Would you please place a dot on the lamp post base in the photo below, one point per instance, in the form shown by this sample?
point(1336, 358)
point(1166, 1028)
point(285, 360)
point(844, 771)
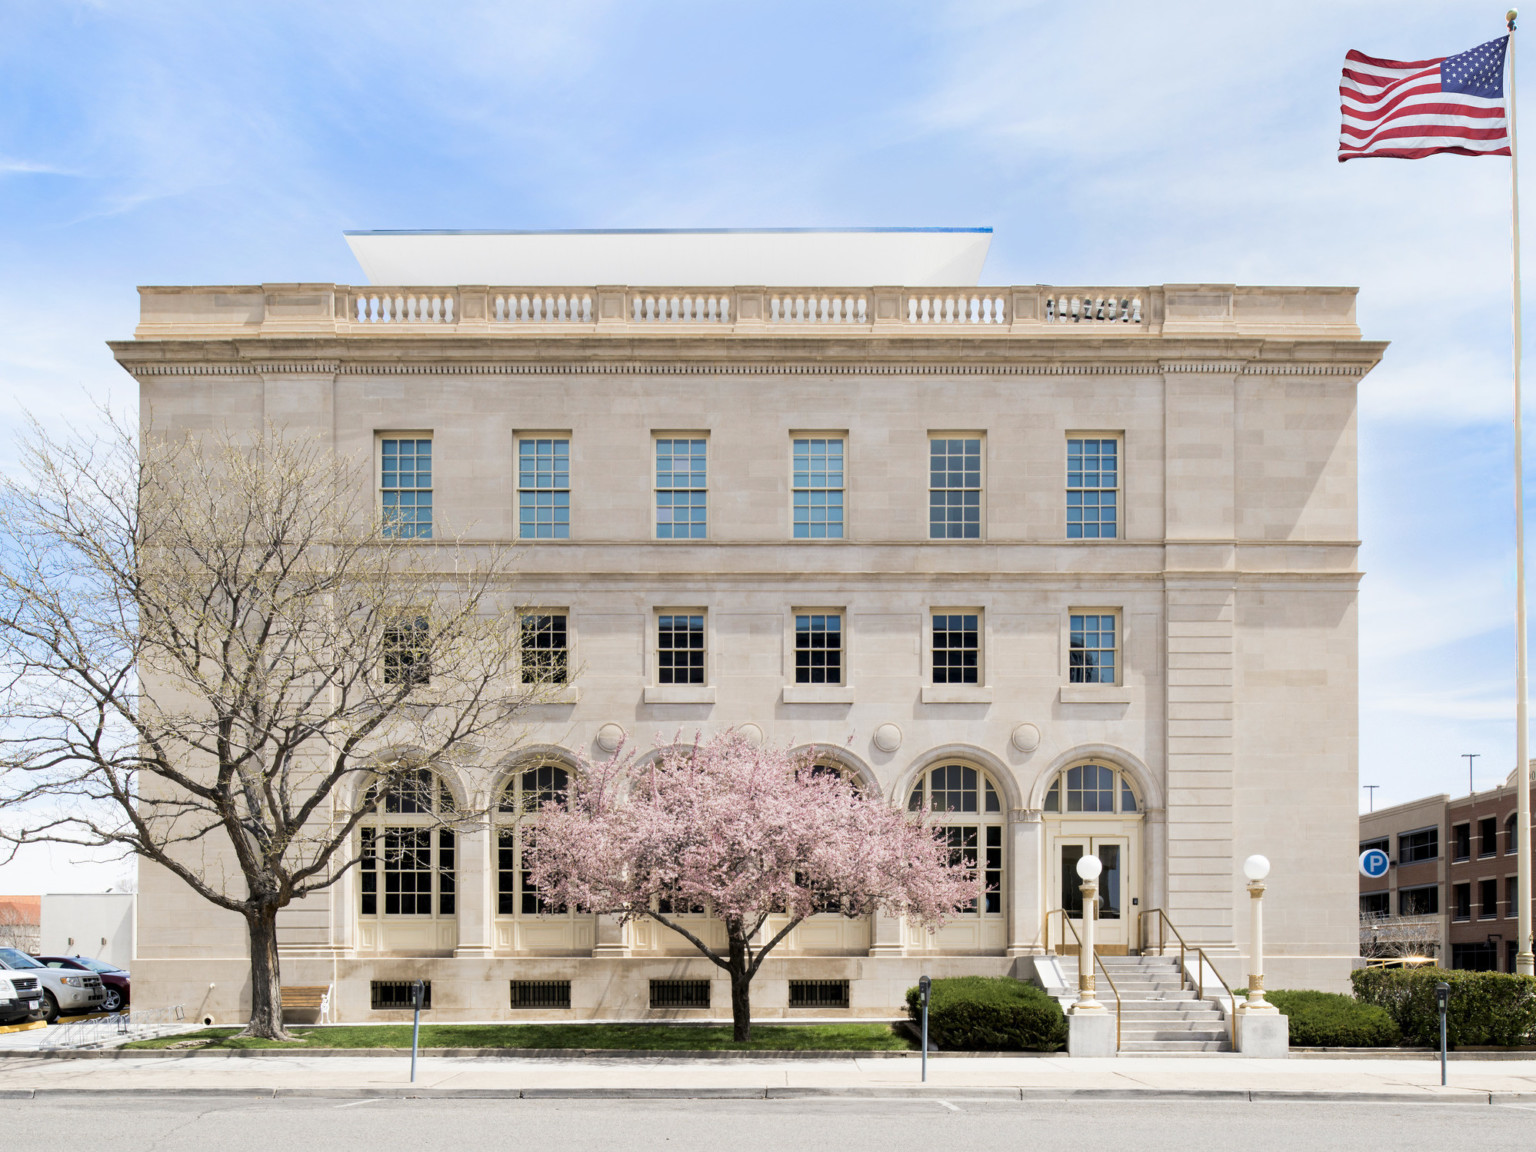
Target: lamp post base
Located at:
point(1263, 1035)
point(1090, 1033)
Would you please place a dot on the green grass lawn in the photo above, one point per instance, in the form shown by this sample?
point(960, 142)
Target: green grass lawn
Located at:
point(871, 1037)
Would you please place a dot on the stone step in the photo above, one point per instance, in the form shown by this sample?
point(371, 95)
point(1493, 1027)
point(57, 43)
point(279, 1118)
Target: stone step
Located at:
point(1174, 1047)
point(1128, 1033)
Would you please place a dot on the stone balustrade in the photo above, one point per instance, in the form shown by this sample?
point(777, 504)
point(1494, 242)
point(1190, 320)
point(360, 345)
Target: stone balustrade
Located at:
point(342, 310)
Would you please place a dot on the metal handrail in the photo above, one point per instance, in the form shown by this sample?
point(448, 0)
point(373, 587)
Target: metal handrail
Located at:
point(1163, 921)
point(1097, 959)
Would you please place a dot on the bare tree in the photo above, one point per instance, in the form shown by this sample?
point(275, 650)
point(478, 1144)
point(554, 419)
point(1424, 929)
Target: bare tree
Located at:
point(1395, 937)
point(216, 656)
point(17, 929)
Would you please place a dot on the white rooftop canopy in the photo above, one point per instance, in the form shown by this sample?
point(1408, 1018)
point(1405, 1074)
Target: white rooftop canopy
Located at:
point(773, 257)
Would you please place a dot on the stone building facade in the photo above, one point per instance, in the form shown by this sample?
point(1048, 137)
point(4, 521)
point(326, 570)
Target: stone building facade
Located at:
point(1085, 557)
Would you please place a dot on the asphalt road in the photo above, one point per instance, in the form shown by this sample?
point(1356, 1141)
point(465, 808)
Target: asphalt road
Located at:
point(126, 1124)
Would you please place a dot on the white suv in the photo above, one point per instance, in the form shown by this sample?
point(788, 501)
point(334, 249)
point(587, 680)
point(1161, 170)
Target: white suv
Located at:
point(21, 997)
point(62, 991)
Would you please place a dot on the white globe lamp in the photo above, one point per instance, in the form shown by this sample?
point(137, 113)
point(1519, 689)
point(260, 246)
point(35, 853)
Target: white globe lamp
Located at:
point(1256, 867)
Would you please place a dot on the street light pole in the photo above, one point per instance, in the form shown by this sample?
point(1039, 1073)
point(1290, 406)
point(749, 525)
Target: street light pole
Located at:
point(1088, 869)
point(1256, 868)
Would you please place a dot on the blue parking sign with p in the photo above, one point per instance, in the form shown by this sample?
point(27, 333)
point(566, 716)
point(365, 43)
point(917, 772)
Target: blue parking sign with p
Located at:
point(1374, 863)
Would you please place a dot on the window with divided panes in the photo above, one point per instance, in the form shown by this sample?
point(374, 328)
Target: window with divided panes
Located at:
point(408, 856)
point(545, 642)
point(968, 813)
point(517, 814)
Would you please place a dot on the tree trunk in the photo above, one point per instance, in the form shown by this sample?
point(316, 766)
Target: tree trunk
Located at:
point(741, 990)
point(266, 980)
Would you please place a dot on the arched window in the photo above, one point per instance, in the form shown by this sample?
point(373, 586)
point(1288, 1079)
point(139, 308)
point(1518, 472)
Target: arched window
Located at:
point(408, 856)
point(1092, 789)
point(966, 808)
point(517, 811)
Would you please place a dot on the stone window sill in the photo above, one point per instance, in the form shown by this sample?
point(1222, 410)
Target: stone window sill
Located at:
point(680, 694)
point(957, 693)
point(1095, 694)
point(818, 694)
point(564, 694)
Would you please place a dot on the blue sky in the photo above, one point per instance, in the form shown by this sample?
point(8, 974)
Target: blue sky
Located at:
point(1113, 144)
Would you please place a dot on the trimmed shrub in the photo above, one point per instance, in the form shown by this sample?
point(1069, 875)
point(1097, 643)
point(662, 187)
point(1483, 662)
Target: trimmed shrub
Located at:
point(990, 1014)
point(1328, 1020)
point(1485, 1007)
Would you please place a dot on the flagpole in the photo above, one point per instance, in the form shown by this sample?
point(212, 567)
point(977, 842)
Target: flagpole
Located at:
point(1525, 961)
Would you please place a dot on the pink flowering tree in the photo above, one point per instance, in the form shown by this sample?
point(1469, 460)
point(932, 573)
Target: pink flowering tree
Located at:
point(751, 834)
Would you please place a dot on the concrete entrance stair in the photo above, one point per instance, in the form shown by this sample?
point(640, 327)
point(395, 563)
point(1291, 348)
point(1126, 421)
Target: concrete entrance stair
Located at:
point(1159, 1012)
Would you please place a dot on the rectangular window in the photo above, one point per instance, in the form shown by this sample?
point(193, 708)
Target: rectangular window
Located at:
point(1479, 957)
point(680, 648)
point(1382, 845)
point(679, 993)
point(818, 489)
point(407, 652)
point(446, 890)
point(368, 875)
point(1488, 836)
point(545, 647)
point(541, 993)
point(1510, 839)
point(956, 648)
point(1461, 901)
point(386, 994)
point(1461, 842)
point(1093, 489)
point(1421, 901)
point(506, 872)
point(1421, 845)
point(818, 648)
point(954, 488)
point(405, 486)
point(682, 490)
point(1487, 899)
point(1091, 648)
point(1375, 903)
point(544, 489)
point(818, 993)
point(1511, 896)
point(405, 857)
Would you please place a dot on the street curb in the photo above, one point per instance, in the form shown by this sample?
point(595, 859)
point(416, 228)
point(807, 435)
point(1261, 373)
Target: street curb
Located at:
point(915, 1091)
point(583, 1054)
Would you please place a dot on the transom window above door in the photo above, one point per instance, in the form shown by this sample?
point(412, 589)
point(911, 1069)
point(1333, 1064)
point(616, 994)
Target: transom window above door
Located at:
point(1096, 789)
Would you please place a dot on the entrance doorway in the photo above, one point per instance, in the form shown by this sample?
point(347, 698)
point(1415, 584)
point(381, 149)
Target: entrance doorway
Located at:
point(1115, 908)
point(1093, 810)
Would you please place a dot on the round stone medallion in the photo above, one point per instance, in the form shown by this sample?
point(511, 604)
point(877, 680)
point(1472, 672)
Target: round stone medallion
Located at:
point(752, 734)
point(1026, 738)
point(609, 737)
point(887, 737)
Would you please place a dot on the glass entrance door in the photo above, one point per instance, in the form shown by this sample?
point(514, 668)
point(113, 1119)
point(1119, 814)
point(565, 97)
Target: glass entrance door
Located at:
point(1115, 885)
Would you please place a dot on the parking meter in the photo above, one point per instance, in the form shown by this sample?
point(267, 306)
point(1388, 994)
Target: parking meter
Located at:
point(925, 988)
point(1442, 1002)
point(418, 994)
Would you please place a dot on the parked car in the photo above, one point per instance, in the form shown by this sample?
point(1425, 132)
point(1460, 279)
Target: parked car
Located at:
point(62, 991)
point(21, 998)
point(113, 979)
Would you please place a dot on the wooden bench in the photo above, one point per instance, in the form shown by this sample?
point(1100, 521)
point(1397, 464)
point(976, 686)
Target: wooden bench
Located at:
point(314, 998)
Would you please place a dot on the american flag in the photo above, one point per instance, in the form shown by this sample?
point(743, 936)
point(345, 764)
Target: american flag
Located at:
point(1414, 108)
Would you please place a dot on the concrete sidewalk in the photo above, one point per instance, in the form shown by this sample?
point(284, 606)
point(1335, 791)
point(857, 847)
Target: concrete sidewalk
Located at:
point(1126, 1077)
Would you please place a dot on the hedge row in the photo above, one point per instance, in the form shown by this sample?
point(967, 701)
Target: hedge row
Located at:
point(990, 1014)
point(1328, 1020)
point(1484, 1008)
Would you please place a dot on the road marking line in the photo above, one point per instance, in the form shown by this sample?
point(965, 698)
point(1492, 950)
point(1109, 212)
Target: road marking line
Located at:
point(951, 1107)
point(355, 1103)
